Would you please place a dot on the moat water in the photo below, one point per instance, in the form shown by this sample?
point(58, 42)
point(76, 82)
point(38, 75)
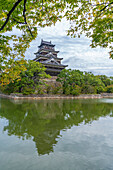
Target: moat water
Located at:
point(56, 134)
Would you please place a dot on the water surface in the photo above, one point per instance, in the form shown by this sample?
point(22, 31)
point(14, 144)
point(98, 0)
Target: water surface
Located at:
point(56, 134)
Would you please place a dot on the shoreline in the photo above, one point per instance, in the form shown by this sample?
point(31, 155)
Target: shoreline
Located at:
point(38, 97)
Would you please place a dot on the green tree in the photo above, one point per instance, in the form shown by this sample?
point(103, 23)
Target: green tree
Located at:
point(94, 18)
point(76, 90)
point(71, 80)
point(88, 89)
point(11, 70)
point(93, 83)
point(109, 89)
point(63, 78)
point(75, 82)
point(29, 80)
point(106, 80)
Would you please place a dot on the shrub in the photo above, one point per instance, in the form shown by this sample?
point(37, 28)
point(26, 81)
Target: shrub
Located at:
point(100, 89)
point(109, 89)
point(40, 89)
point(48, 88)
point(88, 89)
point(8, 89)
point(67, 90)
point(76, 90)
point(27, 90)
point(56, 88)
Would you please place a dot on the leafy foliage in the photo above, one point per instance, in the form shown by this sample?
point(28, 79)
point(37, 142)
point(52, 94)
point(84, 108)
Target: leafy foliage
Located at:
point(76, 82)
point(94, 18)
point(11, 70)
point(107, 81)
point(109, 89)
point(68, 82)
point(27, 16)
point(29, 80)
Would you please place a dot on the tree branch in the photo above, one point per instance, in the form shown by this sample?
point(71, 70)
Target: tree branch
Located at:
point(18, 21)
point(24, 11)
point(97, 4)
point(106, 7)
point(42, 4)
point(9, 14)
point(25, 18)
point(103, 12)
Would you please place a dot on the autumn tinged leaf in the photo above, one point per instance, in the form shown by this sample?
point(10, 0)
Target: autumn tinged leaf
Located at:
point(30, 75)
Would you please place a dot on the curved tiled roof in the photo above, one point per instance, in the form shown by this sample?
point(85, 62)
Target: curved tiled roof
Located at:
point(46, 43)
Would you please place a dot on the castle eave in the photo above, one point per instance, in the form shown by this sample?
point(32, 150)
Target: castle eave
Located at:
point(44, 57)
point(46, 50)
point(54, 65)
point(53, 70)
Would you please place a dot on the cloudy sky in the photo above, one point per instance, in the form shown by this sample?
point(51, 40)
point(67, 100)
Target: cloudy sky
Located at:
point(76, 52)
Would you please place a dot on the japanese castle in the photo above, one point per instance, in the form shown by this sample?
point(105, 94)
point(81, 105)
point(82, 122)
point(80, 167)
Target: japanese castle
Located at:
point(48, 57)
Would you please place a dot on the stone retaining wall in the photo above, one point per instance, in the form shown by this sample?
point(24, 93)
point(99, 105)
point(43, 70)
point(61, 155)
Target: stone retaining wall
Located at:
point(107, 95)
point(36, 97)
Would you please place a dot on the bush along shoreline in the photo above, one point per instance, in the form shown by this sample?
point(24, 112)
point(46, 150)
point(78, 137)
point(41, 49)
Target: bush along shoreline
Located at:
point(33, 82)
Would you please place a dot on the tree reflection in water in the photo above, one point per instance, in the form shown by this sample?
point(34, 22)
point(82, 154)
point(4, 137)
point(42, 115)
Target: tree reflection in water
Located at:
point(43, 120)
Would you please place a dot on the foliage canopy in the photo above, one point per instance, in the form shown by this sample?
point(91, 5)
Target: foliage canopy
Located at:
point(29, 80)
point(76, 82)
point(94, 17)
point(68, 82)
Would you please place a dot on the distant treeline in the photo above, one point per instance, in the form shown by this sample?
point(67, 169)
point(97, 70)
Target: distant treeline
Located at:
point(76, 82)
point(68, 82)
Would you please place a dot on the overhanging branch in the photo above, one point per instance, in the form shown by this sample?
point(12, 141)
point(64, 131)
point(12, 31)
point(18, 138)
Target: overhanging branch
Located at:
point(25, 20)
point(106, 7)
point(9, 14)
point(24, 11)
point(18, 21)
point(24, 15)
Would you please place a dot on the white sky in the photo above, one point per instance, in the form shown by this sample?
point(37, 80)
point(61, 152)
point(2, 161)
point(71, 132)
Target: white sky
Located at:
point(76, 52)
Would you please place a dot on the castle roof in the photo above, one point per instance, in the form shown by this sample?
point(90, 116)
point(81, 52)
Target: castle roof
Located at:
point(48, 43)
point(45, 49)
point(48, 57)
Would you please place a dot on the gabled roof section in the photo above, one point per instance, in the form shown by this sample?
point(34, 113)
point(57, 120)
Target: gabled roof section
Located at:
point(50, 55)
point(45, 57)
point(47, 50)
point(51, 61)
